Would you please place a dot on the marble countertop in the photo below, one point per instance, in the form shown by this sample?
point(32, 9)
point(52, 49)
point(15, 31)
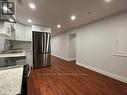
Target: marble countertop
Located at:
point(11, 81)
point(13, 54)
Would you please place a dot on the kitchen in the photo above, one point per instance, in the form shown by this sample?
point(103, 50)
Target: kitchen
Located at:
point(16, 56)
point(63, 47)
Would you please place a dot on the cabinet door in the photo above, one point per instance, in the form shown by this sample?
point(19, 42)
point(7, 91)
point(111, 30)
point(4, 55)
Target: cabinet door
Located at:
point(28, 33)
point(29, 58)
point(13, 31)
point(20, 32)
point(7, 28)
point(1, 27)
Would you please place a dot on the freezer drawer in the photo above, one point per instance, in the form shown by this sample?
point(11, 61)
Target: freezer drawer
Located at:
point(42, 60)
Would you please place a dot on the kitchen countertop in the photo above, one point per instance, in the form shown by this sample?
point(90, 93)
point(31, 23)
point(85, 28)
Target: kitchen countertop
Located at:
point(13, 54)
point(11, 80)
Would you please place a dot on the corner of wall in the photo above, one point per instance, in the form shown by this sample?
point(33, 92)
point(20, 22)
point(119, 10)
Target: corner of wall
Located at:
point(60, 57)
point(114, 76)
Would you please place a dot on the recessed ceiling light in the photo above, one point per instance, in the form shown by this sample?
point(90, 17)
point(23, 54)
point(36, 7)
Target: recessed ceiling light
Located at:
point(58, 26)
point(73, 17)
point(32, 6)
point(11, 20)
point(107, 0)
point(29, 20)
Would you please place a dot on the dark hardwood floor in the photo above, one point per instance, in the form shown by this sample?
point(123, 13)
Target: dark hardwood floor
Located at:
point(66, 78)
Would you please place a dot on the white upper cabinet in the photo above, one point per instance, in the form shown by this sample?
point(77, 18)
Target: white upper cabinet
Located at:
point(23, 32)
point(20, 28)
point(20, 32)
point(28, 33)
point(1, 27)
point(7, 28)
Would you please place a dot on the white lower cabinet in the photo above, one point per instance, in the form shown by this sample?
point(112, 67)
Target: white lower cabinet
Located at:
point(29, 58)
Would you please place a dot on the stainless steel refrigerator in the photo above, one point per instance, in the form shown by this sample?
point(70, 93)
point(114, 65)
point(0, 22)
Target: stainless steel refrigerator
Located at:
point(41, 49)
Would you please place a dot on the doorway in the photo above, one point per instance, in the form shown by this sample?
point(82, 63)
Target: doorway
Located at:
point(72, 47)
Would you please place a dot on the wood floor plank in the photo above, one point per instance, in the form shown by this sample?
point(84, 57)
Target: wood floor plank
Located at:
point(67, 78)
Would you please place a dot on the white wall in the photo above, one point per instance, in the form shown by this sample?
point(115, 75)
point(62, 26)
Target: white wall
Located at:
point(59, 46)
point(95, 46)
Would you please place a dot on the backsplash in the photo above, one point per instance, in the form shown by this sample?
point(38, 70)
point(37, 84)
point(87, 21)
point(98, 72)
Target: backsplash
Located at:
point(21, 45)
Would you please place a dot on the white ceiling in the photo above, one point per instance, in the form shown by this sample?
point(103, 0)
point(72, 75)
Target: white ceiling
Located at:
point(53, 12)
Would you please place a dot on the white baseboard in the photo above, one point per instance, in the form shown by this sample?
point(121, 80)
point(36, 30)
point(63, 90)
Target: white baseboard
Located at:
point(72, 59)
point(61, 57)
point(64, 58)
point(114, 76)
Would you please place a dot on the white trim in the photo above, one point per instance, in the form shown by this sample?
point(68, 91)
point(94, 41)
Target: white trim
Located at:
point(114, 76)
point(121, 54)
point(72, 59)
point(64, 58)
point(60, 57)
